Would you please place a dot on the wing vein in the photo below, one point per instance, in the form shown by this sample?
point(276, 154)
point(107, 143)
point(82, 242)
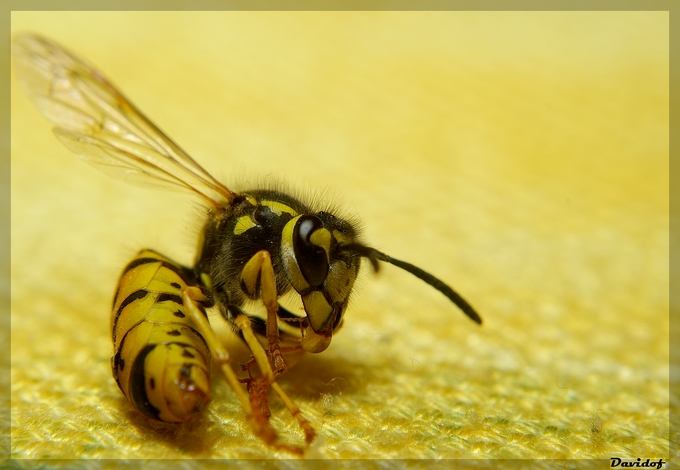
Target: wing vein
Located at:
point(93, 119)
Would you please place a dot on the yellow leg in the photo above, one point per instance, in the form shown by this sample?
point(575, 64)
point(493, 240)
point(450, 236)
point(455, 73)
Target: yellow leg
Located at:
point(258, 386)
point(306, 427)
point(260, 267)
point(260, 356)
point(257, 420)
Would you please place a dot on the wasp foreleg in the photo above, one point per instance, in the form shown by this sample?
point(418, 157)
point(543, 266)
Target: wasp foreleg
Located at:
point(259, 273)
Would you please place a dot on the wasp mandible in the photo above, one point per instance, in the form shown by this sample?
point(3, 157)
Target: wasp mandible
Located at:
point(255, 246)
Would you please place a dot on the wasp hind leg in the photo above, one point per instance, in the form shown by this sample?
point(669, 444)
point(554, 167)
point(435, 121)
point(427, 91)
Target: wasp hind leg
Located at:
point(258, 422)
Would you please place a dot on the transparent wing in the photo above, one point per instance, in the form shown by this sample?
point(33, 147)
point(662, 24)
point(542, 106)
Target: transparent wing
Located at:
point(94, 120)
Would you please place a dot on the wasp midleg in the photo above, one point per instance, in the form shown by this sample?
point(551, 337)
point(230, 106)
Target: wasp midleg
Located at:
point(252, 407)
point(258, 275)
point(163, 343)
point(258, 387)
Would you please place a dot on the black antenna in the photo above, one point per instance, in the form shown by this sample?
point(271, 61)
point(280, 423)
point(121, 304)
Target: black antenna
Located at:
point(374, 256)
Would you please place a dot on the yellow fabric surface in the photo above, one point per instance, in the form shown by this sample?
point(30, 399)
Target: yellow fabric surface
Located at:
point(521, 157)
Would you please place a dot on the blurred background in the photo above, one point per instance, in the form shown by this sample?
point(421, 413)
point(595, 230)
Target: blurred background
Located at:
point(520, 156)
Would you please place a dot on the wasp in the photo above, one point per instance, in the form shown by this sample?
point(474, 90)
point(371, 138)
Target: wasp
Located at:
point(255, 246)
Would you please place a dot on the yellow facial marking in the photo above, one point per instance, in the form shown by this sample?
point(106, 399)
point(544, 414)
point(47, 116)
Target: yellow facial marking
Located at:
point(243, 224)
point(322, 238)
point(340, 238)
point(318, 310)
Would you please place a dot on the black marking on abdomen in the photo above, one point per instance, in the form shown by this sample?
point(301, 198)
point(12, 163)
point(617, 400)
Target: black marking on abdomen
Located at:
point(136, 295)
point(137, 384)
point(115, 364)
point(138, 262)
point(179, 314)
point(185, 372)
point(170, 297)
point(185, 274)
point(185, 345)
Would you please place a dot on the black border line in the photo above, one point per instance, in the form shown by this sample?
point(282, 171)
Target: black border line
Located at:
point(7, 6)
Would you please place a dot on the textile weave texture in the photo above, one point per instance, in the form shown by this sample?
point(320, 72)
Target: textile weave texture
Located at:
point(521, 157)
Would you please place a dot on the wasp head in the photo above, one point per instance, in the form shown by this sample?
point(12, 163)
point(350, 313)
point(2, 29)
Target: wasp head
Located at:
point(321, 271)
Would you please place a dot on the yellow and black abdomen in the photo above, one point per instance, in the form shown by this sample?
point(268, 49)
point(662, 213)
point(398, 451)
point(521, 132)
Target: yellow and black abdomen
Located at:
point(160, 362)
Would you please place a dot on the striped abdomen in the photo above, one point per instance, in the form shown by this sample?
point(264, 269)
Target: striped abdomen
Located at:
point(160, 362)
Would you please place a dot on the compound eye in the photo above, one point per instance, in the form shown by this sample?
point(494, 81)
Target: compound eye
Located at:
point(311, 258)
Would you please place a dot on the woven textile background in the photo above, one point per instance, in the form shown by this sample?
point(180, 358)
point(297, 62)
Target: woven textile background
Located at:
point(521, 157)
